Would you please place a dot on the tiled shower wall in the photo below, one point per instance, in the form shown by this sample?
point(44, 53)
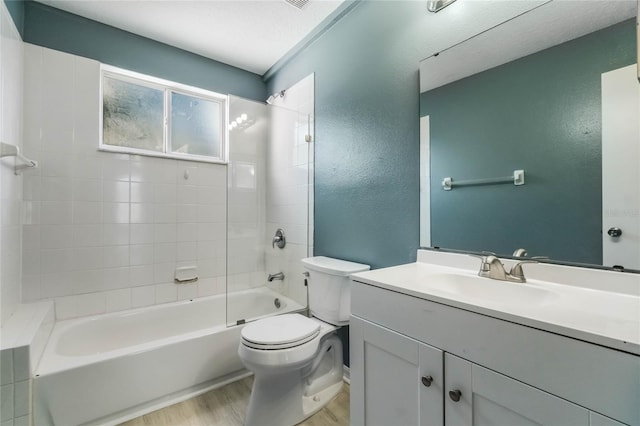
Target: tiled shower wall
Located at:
point(103, 231)
point(290, 186)
point(10, 185)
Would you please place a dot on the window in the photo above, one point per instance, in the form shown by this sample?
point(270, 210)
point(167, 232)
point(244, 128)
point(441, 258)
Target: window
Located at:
point(148, 116)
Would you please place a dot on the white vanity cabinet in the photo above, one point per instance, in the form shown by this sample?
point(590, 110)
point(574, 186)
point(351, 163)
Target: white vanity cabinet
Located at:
point(499, 372)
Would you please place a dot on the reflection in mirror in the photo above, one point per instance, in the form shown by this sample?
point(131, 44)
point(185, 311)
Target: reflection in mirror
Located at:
point(537, 93)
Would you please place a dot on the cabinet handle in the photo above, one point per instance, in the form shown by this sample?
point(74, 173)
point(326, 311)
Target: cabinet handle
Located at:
point(427, 380)
point(455, 395)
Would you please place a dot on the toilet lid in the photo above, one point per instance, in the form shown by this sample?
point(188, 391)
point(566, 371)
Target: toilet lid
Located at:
point(281, 330)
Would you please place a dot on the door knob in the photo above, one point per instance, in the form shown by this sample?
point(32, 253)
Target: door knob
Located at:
point(455, 395)
point(614, 232)
point(427, 380)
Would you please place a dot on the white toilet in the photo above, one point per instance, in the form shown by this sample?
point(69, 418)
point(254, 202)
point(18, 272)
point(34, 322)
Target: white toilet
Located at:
point(296, 360)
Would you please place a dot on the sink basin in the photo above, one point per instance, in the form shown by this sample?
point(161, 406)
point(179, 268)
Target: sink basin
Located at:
point(489, 290)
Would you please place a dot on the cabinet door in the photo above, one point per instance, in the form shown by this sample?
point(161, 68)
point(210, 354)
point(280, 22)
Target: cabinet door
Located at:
point(395, 380)
point(488, 398)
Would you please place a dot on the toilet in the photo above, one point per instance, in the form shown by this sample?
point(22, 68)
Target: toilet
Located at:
point(297, 360)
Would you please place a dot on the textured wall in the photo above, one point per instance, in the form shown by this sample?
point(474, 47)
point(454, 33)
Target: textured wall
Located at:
point(366, 155)
point(541, 113)
point(55, 29)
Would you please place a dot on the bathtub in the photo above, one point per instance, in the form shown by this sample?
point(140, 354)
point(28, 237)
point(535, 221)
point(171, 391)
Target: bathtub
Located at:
point(109, 368)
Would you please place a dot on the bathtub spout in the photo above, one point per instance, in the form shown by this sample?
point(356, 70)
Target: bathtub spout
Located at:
point(278, 276)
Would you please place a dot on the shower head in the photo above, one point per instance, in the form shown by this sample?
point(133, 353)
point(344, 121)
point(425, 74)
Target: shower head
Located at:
point(275, 96)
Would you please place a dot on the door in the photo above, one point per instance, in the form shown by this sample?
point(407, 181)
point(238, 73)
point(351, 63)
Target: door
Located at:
point(477, 396)
point(621, 168)
point(395, 380)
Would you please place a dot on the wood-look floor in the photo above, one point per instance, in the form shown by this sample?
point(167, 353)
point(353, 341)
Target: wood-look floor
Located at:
point(226, 407)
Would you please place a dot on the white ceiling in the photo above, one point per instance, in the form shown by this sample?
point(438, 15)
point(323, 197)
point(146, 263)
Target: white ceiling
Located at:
point(249, 34)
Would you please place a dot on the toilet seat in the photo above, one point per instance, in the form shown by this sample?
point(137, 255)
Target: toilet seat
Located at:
point(280, 332)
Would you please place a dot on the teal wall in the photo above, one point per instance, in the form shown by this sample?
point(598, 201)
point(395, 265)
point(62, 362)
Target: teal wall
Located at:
point(541, 113)
point(55, 29)
point(367, 132)
point(16, 10)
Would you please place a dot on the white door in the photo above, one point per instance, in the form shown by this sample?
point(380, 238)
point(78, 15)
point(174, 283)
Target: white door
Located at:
point(621, 168)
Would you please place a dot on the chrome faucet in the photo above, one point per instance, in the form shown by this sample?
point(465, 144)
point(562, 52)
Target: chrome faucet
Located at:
point(278, 276)
point(492, 267)
point(520, 253)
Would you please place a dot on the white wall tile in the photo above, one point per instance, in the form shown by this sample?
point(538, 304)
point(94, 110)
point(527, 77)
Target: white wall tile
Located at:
point(143, 296)
point(141, 254)
point(56, 212)
point(186, 250)
point(115, 256)
point(142, 192)
point(115, 167)
point(87, 190)
point(86, 258)
point(115, 234)
point(142, 233)
point(164, 273)
point(31, 237)
point(164, 233)
point(65, 307)
point(166, 293)
point(22, 398)
point(187, 291)
point(6, 366)
point(91, 304)
point(165, 213)
point(164, 252)
point(6, 402)
point(187, 213)
point(87, 235)
point(187, 194)
point(115, 212)
point(21, 364)
point(164, 193)
point(115, 191)
point(85, 212)
point(115, 278)
point(141, 275)
point(142, 212)
point(118, 300)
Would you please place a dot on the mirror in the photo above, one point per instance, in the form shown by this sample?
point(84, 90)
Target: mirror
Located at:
point(532, 94)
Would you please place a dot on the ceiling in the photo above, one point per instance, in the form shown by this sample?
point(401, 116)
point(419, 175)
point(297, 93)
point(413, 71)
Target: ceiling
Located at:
point(248, 34)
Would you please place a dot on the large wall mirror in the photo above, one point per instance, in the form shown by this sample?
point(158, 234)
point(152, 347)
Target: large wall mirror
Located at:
point(553, 92)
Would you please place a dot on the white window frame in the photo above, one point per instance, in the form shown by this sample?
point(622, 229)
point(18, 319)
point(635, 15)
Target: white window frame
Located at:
point(168, 87)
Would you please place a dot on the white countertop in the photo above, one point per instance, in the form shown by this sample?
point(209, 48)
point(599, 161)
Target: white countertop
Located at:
point(606, 318)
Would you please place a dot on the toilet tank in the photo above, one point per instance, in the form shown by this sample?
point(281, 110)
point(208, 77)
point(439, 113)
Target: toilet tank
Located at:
point(329, 287)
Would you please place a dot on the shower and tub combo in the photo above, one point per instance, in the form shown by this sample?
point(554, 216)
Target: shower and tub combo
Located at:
point(108, 368)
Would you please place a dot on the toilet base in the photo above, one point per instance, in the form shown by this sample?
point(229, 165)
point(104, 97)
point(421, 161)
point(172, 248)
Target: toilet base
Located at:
point(288, 398)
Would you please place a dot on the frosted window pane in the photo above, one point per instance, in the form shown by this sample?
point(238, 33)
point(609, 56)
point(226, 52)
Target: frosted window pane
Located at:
point(195, 125)
point(133, 115)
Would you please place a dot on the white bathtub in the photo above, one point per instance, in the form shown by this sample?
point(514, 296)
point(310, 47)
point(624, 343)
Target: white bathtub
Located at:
point(108, 368)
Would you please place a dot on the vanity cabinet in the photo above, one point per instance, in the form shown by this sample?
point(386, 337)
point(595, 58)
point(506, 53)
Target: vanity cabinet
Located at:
point(399, 380)
point(415, 362)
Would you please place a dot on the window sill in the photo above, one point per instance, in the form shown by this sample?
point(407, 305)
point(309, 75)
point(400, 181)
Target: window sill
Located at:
point(170, 156)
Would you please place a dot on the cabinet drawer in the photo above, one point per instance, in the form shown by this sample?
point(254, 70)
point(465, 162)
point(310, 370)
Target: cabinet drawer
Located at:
point(602, 379)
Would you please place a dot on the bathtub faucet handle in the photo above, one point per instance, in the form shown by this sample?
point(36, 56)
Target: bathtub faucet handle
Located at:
point(279, 239)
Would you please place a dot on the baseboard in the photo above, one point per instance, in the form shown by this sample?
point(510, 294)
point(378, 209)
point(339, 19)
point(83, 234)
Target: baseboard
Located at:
point(346, 376)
